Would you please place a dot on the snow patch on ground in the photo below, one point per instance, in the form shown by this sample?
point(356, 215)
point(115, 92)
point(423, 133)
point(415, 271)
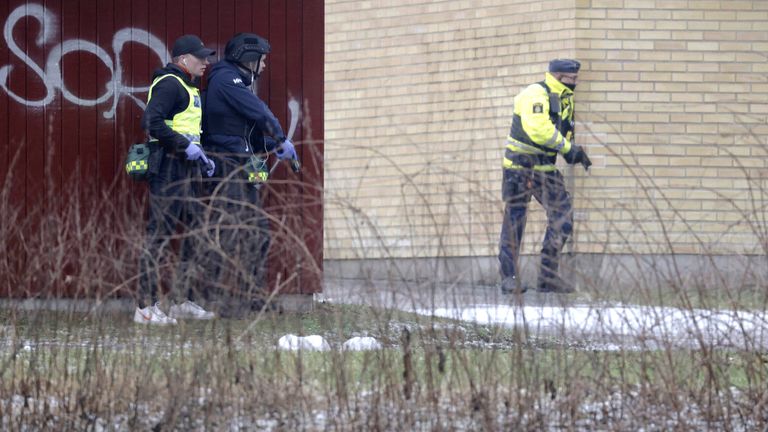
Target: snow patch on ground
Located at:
point(738, 329)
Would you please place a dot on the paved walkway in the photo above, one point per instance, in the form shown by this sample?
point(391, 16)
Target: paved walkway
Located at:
point(570, 317)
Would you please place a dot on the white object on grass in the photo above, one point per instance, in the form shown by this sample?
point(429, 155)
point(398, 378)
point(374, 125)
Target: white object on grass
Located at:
point(292, 342)
point(190, 310)
point(361, 343)
point(152, 315)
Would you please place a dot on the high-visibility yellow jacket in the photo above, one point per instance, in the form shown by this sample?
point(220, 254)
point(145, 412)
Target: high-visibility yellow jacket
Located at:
point(188, 121)
point(542, 126)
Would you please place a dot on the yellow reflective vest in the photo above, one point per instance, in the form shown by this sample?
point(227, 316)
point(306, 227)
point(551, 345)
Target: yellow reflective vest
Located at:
point(189, 121)
point(542, 126)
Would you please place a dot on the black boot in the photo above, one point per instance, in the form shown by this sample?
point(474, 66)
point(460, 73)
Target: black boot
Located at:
point(510, 285)
point(549, 281)
point(553, 283)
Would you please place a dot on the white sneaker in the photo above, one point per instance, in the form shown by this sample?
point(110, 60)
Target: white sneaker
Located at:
point(190, 310)
point(152, 315)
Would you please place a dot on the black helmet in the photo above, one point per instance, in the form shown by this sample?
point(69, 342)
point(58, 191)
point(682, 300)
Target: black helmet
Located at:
point(246, 47)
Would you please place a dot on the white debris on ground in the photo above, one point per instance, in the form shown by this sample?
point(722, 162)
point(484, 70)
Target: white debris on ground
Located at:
point(361, 343)
point(738, 329)
point(291, 342)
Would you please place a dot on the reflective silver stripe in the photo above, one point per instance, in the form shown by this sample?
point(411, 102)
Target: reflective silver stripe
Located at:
point(524, 150)
point(514, 144)
point(561, 145)
point(553, 139)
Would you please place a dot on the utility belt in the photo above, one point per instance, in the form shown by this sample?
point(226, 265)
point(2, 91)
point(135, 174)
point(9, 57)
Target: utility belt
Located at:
point(254, 166)
point(165, 150)
point(172, 155)
point(538, 162)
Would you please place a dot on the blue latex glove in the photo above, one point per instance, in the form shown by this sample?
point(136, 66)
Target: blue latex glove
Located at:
point(194, 152)
point(286, 151)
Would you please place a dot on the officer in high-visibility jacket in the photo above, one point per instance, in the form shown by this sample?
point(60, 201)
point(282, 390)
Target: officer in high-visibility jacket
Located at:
point(542, 127)
point(173, 119)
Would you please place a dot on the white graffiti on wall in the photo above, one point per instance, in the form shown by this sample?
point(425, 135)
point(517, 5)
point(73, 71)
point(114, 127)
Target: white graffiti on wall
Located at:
point(51, 76)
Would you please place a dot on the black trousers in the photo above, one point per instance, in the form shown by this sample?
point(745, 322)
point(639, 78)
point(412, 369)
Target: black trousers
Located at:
point(173, 212)
point(239, 228)
point(519, 185)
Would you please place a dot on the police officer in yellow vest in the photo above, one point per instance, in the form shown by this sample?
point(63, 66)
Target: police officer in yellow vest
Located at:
point(542, 127)
point(173, 120)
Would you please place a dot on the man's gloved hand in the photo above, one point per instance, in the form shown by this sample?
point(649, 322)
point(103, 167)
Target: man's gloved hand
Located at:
point(578, 155)
point(210, 166)
point(194, 152)
point(286, 150)
point(585, 162)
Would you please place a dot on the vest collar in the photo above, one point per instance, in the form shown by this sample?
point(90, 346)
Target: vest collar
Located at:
point(181, 73)
point(556, 86)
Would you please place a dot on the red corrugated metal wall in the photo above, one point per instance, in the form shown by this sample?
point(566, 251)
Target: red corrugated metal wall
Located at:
point(73, 80)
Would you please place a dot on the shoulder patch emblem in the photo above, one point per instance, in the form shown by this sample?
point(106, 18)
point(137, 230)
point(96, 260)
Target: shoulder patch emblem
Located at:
point(538, 108)
point(237, 81)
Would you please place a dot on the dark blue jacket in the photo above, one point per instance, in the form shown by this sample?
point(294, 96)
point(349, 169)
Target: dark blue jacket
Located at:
point(233, 116)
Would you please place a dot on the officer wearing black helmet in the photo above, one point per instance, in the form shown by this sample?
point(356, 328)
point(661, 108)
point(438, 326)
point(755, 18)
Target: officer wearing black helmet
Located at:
point(542, 127)
point(241, 132)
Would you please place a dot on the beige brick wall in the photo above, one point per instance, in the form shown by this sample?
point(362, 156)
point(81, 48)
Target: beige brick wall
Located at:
point(672, 107)
point(675, 95)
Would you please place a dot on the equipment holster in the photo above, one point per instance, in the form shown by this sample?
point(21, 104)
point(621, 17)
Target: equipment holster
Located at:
point(256, 168)
point(144, 160)
point(156, 155)
point(516, 185)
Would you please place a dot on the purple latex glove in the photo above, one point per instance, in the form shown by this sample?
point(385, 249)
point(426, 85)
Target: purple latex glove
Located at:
point(194, 152)
point(286, 151)
point(210, 166)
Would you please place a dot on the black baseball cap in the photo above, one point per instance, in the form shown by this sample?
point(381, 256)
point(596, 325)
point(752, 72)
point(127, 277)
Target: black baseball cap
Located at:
point(564, 65)
point(191, 44)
